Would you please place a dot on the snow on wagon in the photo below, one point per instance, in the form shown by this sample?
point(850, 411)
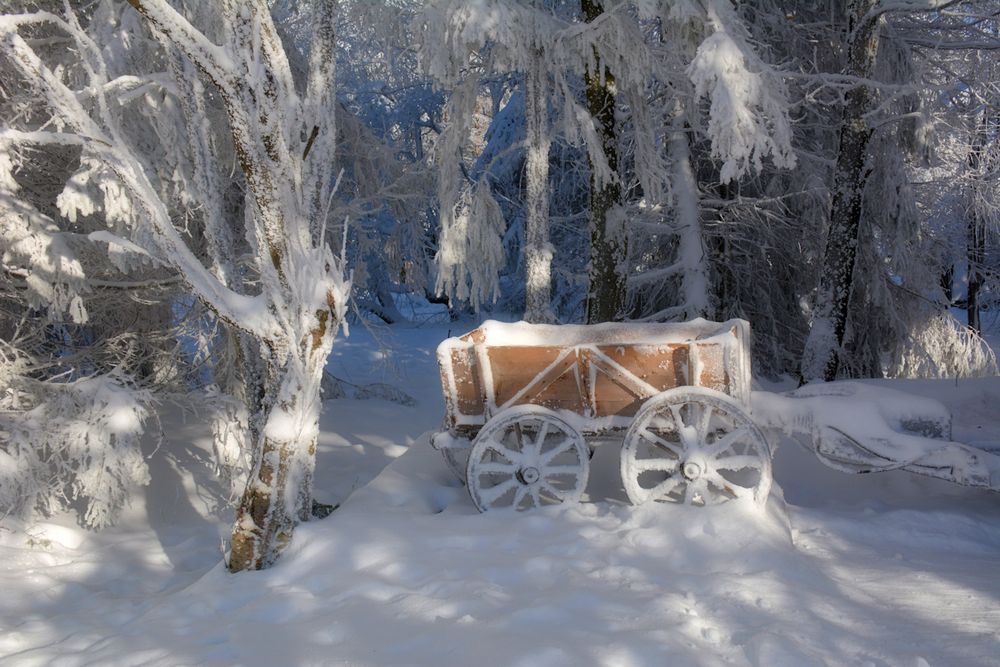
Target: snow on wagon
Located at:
point(525, 402)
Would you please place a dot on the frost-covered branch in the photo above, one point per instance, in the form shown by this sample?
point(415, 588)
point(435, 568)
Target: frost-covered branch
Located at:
point(240, 310)
point(289, 300)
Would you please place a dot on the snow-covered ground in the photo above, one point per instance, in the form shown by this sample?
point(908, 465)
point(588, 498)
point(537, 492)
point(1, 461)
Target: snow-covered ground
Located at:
point(886, 569)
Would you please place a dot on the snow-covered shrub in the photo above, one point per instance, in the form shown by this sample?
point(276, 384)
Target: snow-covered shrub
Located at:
point(230, 443)
point(941, 347)
point(68, 445)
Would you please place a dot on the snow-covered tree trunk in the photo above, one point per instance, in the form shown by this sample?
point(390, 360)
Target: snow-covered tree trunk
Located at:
point(975, 228)
point(976, 254)
point(820, 360)
point(606, 296)
point(537, 250)
point(279, 490)
point(692, 258)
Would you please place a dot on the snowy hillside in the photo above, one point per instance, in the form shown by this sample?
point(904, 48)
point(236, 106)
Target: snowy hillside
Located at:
point(886, 569)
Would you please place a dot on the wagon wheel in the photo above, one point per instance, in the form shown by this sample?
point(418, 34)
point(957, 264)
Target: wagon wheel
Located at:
point(694, 446)
point(457, 459)
point(527, 456)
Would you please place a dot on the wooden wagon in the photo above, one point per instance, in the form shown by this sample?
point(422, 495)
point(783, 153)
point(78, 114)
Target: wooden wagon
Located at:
point(526, 402)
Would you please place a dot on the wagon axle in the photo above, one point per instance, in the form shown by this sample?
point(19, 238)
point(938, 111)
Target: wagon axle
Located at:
point(691, 470)
point(528, 475)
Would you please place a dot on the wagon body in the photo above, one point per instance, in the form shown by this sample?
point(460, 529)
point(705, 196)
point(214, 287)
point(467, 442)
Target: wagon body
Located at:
point(520, 399)
point(602, 373)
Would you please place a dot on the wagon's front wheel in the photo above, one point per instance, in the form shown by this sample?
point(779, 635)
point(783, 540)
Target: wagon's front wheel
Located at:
point(694, 446)
point(527, 456)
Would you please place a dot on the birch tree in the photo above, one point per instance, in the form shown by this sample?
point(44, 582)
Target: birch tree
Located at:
point(537, 249)
point(284, 137)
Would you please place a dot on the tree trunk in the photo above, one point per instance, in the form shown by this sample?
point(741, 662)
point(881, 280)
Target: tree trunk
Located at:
point(607, 239)
point(537, 250)
point(976, 252)
point(278, 494)
point(975, 240)
point(691, 253)
point(820, 360)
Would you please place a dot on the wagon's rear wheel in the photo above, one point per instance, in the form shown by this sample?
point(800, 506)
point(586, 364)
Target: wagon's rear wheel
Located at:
point(694, 446)
point(525, 457)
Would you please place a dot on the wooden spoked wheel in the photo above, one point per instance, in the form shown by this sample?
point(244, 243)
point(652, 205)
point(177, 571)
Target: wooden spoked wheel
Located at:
point(694, 446)
point(527, 456)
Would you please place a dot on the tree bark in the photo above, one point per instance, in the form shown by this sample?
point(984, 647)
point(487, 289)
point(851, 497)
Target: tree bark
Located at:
point(279, 489)
point(691, 251)
point(976, 253)
point(975, 240)
point(607, 239)
point(537, 250)
point(820, 359)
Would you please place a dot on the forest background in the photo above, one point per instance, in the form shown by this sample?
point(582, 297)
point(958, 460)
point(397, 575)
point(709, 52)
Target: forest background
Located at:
point(196, 197)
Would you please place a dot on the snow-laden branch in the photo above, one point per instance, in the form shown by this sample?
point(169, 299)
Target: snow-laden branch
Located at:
point(127, 88)
point(657, 275)
point(319, 108)
point(211, 58)
point(256, 130)
point(748, 116)
point(240, 310)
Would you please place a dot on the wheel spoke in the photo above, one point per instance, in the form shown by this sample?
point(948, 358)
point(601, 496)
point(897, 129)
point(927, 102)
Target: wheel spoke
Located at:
point(519, 496)
point(502, 450)
point(556, 494)
point(665, 487)
point(520, 436)
point(675, 410)
point(496, 467)
point(725, 485)
point(708, 497)
point(689, 491)
point(727, 441)
point(536, 497)
point(737, 462)
point(494, 493)
point(561, 448)
point(683, 431)
point(540, 440)
point(663, 465)
point(704, 419)
point(660, 442)
point(549, 471)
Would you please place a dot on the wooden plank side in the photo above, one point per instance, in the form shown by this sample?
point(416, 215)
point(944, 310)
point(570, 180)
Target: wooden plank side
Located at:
point(468, 383)
point(537, 375)
point(548, 383)
point(662, 366)
point(712, 366)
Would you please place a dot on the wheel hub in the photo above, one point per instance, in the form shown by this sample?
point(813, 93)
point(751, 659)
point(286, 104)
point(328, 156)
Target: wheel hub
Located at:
point(691, 470)
point(528, 475)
